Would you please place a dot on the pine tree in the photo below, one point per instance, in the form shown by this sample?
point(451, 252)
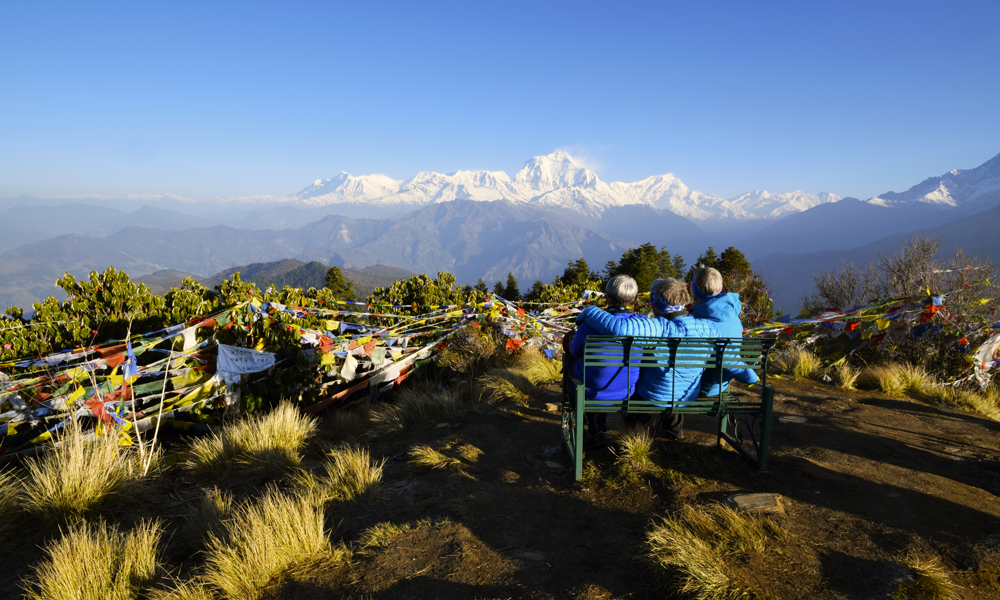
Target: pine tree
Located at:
point(732, 263)
point(481, 286)
point(536, 291)
point(646, 264)
point(578, 273)
point(511, 292)
point(341, 288)
point(498, 289)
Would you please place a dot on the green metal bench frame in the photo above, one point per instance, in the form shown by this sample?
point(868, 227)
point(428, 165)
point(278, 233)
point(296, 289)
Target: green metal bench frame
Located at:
point(745, 424)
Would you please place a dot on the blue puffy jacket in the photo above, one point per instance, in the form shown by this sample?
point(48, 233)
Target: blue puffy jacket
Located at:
point(658, 383)
point(724, 311)
point(604, 383)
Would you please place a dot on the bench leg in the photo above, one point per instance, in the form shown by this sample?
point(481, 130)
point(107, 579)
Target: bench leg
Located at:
point(767, 401)
point(578, 455)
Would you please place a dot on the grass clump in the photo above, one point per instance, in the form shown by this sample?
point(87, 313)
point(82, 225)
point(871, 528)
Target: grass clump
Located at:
point(97, 562)
point(414, 406)
point(380, 535)
point(536, 368)
point(454, 454)
point(798, 362)
point(349, 473)
point(79, 476)
point(262, 542)
point(635, 450)
point(426, 457)
point(267, 445)
point(846, 376)
point(693, 546)
point(502, 386)
point(986, 402)
point(885, 379)
point(928, 581)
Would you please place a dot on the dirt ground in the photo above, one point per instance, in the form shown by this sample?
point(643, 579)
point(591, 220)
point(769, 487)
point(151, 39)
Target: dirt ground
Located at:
point(866, 479)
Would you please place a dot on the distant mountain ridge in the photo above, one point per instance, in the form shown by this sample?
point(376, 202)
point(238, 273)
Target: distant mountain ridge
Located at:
point(977, 188)
point(555, 180)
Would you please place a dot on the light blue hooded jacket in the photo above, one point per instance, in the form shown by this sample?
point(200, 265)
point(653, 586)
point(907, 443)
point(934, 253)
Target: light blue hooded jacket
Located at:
point(724, 311)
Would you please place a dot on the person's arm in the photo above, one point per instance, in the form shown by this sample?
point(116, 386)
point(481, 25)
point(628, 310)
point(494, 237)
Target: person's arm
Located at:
point(607, 324)
point(578, 342)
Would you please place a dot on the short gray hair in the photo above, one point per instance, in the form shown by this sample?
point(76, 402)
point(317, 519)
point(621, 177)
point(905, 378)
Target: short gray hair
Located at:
point(708, 280)
point(673, 291)
point(621, 290)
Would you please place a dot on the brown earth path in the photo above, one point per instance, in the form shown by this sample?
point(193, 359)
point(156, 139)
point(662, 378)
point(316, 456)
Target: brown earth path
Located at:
point(866, 478)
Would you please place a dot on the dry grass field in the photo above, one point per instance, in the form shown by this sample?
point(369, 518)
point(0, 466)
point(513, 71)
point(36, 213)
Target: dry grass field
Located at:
point(465, 493)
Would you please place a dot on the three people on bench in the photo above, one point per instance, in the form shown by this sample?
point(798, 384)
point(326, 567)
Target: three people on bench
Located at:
point(669, 299)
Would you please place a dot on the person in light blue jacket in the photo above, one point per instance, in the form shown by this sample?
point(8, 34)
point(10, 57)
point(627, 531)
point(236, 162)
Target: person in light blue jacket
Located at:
point(723, 310)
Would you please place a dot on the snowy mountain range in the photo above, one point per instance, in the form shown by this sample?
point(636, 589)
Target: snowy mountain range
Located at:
point(556, 180)
point(978, 189)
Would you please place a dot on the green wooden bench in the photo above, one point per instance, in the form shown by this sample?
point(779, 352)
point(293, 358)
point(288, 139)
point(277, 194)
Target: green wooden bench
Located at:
point(744, 422)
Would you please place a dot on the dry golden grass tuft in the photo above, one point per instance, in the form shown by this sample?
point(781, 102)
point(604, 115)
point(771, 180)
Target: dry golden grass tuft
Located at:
point(380, 535)
point(694, 544)
point(266, 445)
point(798, 362)
point(928, 581)
point(915, 379)
point(97, 562)
point(425, 457)
point(262, 542)
point(635, 449)
point(884, 378)
point(183, 590)
point(986, 402)
point(503, 386)
point(412, 406)
point(349, 473)
point(846, 376)
point(453, 454)
point(79, 476)
point(535, 367)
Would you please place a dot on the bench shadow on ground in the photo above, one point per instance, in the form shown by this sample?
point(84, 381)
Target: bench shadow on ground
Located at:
point(826, 483)
point(950, 456)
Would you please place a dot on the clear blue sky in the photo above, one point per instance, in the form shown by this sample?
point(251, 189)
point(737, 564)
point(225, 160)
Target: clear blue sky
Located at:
point(204, 98)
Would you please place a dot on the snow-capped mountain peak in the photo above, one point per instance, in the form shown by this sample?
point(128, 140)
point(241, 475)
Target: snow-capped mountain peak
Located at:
point(957, 188)
point(554, 170)
point(348, 186)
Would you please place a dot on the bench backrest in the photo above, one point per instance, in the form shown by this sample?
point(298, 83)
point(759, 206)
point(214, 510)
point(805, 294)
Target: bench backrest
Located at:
point(715, 354)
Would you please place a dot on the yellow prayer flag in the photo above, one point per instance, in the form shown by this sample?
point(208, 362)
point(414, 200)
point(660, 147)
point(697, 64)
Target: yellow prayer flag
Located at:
point(884, 323)
point(331, 325)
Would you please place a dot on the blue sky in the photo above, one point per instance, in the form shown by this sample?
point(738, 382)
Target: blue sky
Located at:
point(212, 99)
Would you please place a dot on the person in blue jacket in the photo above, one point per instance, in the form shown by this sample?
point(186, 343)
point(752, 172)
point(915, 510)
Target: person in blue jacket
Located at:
point(612, 383)
point(669, 298)
point(722, 309)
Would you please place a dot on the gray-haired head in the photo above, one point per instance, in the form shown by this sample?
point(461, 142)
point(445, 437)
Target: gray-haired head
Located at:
point(669, 295)
point(707, 282)
point(621, 290)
